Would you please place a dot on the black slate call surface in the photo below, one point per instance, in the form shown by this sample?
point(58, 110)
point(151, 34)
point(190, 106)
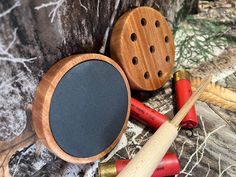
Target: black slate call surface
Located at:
point(88, 108)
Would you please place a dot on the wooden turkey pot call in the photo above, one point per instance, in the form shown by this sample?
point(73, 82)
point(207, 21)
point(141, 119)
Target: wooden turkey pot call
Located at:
point(81, 107)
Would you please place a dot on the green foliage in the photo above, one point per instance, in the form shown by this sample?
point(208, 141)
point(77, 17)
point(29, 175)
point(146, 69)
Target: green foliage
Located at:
point(199, 39)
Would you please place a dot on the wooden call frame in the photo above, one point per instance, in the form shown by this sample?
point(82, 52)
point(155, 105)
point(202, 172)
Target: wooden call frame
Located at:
point(43, 95)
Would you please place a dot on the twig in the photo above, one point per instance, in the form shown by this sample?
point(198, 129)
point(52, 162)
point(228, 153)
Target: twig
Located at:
point(54, 11)
point(83, 6)
point(182, 149)
point(197, 144)
point(98, 7)
point(57, 4)
point(208, 171)
point(43, 5)
point(201, 147)
point(198, 160)
point(104, 41)
point(17, 3)
point(6, 56)
point(219, 164)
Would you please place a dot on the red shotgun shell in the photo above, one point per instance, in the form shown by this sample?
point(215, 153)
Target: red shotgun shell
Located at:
point(168, 166)
point(146, 115)
point(183, 91)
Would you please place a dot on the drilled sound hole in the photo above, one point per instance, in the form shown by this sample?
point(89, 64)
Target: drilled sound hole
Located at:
point(157, 23)
point(146, 75)
point(159, 73)
point(144, 34)
point(166, 39)
point(167, 59)
point(135, 60)
point(152, 49)
point(133, 37)
point(143, 21)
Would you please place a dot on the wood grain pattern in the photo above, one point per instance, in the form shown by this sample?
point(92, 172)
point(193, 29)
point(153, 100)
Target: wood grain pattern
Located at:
point(41, 105)
point(142, 43)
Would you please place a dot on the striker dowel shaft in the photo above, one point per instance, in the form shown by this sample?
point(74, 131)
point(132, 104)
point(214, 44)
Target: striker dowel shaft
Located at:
point(144, 163)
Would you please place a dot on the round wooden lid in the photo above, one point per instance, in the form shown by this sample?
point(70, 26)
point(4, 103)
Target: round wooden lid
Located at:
point(81, 107)
point(143, 44)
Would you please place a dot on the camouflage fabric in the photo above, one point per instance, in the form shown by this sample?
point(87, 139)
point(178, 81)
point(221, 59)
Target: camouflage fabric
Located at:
point(202, 41)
